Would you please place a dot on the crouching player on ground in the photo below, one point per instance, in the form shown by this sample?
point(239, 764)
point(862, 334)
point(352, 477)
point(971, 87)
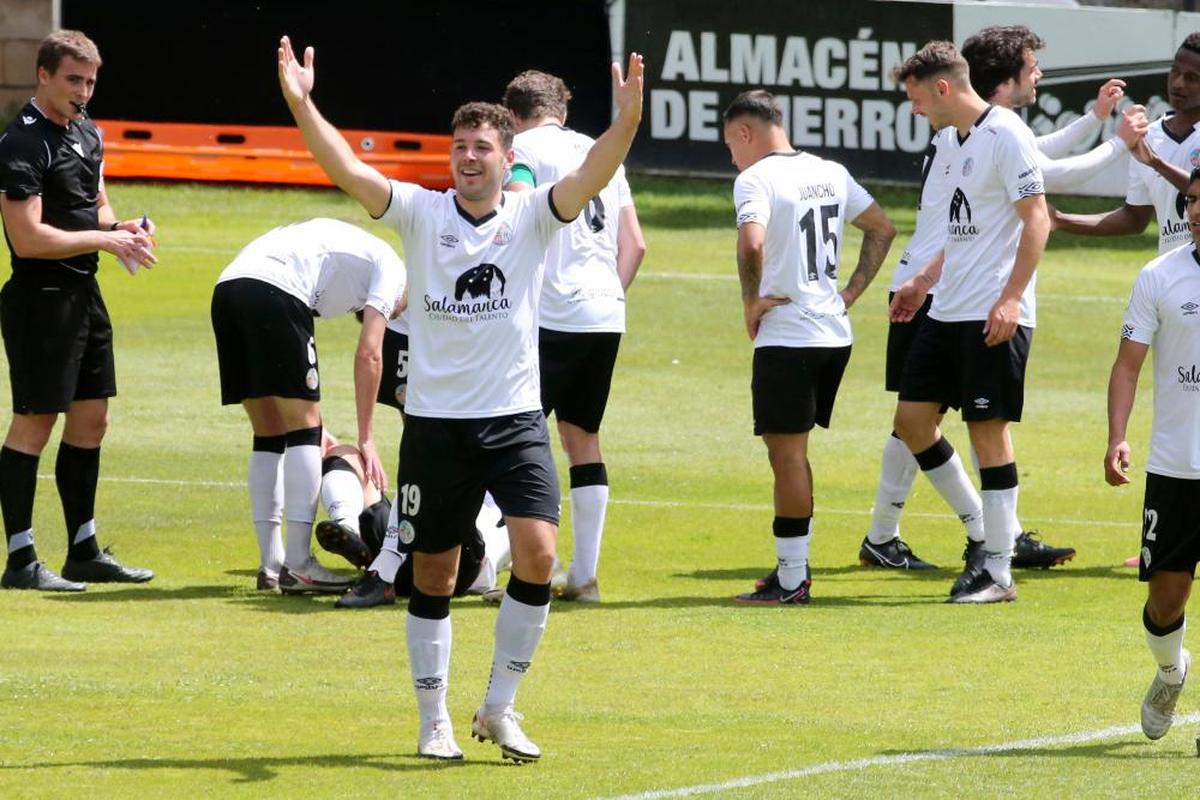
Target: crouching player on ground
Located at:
point(1162, 314)
point(357, 530)
point(262, 314)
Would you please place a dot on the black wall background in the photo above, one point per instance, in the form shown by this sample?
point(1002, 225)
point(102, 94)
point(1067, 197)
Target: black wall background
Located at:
point(379, 65)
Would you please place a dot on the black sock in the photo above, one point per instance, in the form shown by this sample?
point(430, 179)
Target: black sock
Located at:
point(18, 481)
point(76, 471)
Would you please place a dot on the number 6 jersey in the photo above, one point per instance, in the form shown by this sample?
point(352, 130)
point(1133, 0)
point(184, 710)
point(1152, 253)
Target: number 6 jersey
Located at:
point(803, 202)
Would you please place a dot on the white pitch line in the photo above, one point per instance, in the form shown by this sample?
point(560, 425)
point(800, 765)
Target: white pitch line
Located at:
point(856, 512)
point(860, 764)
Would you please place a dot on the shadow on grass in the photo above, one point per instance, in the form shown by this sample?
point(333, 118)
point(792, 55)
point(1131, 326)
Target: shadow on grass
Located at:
point(819, 600)
point(258, 770)
point(941, 574)
point(238, 595)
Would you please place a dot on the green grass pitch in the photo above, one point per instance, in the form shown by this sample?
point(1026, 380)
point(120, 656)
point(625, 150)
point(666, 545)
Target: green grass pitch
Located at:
point(197, 686)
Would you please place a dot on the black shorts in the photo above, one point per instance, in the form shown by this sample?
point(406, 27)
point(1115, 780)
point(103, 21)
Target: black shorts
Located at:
point(577, 371)
point(447, 464)
point(949, 364)
point(59, 342)
point(393, 383)
point(265, 343)
point(793, 388)
point(1170, 526)
point(470, 562)
point(899, 341)
point(373, 523)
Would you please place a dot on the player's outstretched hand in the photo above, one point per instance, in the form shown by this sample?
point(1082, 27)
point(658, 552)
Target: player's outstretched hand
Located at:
point(1116, 464)
point(372, 466)
point(1107, 98)
point(1001, 322)
point(295, 79)
point(627, 93)
point(907, 301)
point(756, 310)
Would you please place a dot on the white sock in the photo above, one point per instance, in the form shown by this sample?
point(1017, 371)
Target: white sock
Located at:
point(390, 559)
point(999, 509)
point(342, 495)
point(1168, 652)
point(588, 507)
point(429, 660)
point(301, 485)
point(975, 461)
point(486, 579)
point(265, 481)
point(519, 629)
point(497, 547)
point(952, 483)
point(897, 470)
point(792, 553)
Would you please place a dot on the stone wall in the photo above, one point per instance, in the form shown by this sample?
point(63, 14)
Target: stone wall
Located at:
point(23, 23)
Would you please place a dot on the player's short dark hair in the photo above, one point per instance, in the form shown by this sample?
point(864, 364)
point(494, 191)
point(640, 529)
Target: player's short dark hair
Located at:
point(476, 115)
point(1194, 176)
point(997, 54)
point(60, 44)
point(1192, 43)
point(936, 59)
point(534, 94)
point(757, 103)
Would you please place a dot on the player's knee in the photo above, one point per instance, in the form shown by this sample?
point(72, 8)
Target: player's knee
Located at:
point(29, 433)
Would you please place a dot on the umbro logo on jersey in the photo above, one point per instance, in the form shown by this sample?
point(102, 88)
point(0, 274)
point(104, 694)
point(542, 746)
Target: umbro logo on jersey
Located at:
point(449, 240)
point(1189, 308)
point(503, 234)
point(28, 120)
point(1126, 332)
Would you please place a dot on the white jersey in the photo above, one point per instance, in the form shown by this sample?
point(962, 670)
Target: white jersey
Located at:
point(330, 266)
point(1148, 188)
point(400, 323)
point(803, 202)
point(1164, 313)
point(472, 300)
point(994, 167)
point(582, 291)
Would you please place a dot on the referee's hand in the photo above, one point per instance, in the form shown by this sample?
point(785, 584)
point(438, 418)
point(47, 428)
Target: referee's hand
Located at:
point(131, 248)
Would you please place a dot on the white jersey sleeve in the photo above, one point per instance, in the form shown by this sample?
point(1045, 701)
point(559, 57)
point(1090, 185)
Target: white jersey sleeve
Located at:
point(624, 194)
point(1138, 194)
point(1061, 142)
point(403, 206)
point(1016, 160)
point(1141, 314)
point(751, 200)
point(1069, 174)
point(858, 199)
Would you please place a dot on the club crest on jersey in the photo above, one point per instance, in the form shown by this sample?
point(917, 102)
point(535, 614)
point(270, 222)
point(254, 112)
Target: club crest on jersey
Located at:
point(968, 165)
point(503, 234)
point(311, 379)
point(1194, 156)
point(1146, 557)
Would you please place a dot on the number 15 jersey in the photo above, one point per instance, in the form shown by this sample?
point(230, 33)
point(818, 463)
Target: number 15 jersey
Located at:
point(803, 202)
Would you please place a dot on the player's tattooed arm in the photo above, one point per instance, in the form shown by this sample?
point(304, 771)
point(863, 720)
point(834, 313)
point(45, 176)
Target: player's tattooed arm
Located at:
point(878, 233)
point(1122, 388)
point(751, 237)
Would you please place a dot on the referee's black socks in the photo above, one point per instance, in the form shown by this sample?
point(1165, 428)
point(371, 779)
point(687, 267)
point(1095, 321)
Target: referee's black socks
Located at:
point(18, 482)
point(76, 472)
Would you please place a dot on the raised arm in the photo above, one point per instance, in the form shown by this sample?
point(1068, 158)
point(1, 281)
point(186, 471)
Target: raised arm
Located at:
point(1070, 173)
point(1060, 143)
point(878, 233)
point(572, 192)
point(362, 182)
point(1005, 315)
point(1122, 388)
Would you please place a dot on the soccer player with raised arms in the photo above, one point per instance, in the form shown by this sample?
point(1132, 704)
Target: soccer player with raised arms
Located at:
point(1163, 315)
point(971, 350)
point(589, 266)
point(474, 417)
point(791, 211)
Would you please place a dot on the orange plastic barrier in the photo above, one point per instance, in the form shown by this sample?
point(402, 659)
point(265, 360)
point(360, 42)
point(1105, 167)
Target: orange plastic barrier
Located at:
point(262, 154)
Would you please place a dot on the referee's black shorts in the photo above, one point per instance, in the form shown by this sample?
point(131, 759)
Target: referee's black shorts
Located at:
point(59, 341)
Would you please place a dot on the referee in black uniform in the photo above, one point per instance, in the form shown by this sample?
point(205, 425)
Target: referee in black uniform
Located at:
point(56, 330)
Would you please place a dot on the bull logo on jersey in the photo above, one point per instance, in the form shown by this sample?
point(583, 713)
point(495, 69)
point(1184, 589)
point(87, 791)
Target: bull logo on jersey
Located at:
point(478, 296)
point(486, 280)
point(1180, 205)
point(960, 206)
